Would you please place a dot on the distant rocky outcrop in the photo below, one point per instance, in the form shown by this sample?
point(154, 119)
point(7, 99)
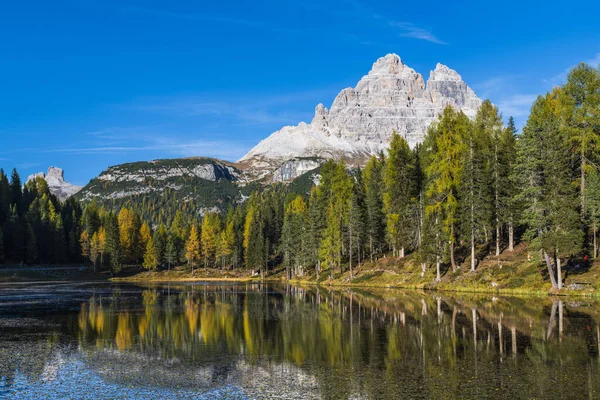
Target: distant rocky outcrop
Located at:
point(55, 178)
point(212, 185)
point(391, 97)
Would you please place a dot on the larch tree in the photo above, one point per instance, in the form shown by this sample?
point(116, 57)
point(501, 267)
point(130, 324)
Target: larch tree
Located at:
point(150, 257)
point(192, 247)
point(445, 171)
point(399, 194)
point(579, 109)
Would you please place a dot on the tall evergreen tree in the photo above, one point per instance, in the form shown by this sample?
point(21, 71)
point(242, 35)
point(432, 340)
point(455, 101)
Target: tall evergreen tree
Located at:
point(544, 173)
point(476, 196)
point(375, 218)
point(399, 194)
point(579, 107)
point(445, 171)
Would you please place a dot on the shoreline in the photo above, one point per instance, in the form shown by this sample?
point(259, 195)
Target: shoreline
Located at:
point(428, 287)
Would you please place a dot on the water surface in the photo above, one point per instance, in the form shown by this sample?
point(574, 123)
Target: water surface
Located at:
point(100, 340)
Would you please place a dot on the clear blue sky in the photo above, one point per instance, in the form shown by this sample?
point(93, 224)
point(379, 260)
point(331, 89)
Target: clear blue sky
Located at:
point(87, 84)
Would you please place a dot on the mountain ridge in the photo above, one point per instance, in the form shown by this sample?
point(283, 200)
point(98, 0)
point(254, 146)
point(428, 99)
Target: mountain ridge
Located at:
point(391, 97)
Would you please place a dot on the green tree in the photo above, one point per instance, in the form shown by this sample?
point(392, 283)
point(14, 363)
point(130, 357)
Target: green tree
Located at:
point(150, 257)
point(579, 107)
point(399, 194)
point(474, 188)
point(356, 223)
point(171, 252)
point(508, 188)
point(375, 218)
point(293, 240)
point(445, 171)
point(550, 214)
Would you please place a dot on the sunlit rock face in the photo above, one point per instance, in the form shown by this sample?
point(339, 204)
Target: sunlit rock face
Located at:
point(56, 183)
point(295, 167)
point(391, 97)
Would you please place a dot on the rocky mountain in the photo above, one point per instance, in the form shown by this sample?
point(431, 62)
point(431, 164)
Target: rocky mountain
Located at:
point(360, 122)
point(208, 183)
point(56, 183)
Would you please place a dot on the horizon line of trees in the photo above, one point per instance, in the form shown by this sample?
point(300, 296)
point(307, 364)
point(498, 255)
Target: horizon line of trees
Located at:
point(472, 188)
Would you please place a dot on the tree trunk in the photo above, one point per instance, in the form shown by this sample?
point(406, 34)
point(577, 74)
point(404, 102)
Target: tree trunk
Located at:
point(452, 261)
point(437, 268)
point(472, 251)
point(595, 241)
point(559, 273)
point(550, 269)
point(497, 237)
point(350, 254)
point(402, 252)
point(423, 269)
point(511, 236)
point(582, 188)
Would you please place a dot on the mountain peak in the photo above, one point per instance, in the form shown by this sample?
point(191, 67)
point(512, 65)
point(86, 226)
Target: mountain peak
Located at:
point(443, 73)
point(389, 64)
point(56, 183)
point(391, 97)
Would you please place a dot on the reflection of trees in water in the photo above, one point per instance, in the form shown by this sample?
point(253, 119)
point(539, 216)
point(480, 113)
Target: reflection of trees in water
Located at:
point(378, 344)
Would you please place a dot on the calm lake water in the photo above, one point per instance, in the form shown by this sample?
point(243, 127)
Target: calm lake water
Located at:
point(267, 341)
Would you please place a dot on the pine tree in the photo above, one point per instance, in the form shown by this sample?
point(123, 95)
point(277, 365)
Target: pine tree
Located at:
point(150, 257)
point(94, 249)
point(375, 218)
point(211, 226)
point(255, 248)
point(160, 243)
point(356, 223)
point(476, 196)
point(544, 176)
point(101, 244)
point(5, 198)
point(17, 194)
point(579, 108)
point(444, 173)
point(84, 240)
point(192, 247)
point(508, 188)
point(488, 138)
point(293, 236)
point(331, 244)
point(399, 194)
point(592, 198)
point(113, 242)
point(31, 249)
point(1, 246)
point(315, 223)
point(171, 252)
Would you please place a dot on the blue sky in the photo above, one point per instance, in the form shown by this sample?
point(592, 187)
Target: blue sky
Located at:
point(87, 84)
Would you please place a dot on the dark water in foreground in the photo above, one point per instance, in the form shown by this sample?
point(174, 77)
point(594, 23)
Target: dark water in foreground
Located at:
point(260, 341)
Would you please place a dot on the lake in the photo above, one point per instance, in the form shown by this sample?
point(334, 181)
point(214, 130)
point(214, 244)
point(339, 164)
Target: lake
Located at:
point(102, 340)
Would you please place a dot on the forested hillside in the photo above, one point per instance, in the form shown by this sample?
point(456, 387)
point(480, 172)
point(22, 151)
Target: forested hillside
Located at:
point(473, 188)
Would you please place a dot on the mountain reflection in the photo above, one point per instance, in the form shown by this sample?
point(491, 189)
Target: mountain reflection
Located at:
point(282, 341)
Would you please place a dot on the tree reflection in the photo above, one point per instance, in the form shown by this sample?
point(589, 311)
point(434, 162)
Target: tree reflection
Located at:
point(379, 344)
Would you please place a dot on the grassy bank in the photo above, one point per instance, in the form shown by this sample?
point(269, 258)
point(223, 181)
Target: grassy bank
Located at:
point(510, 273)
